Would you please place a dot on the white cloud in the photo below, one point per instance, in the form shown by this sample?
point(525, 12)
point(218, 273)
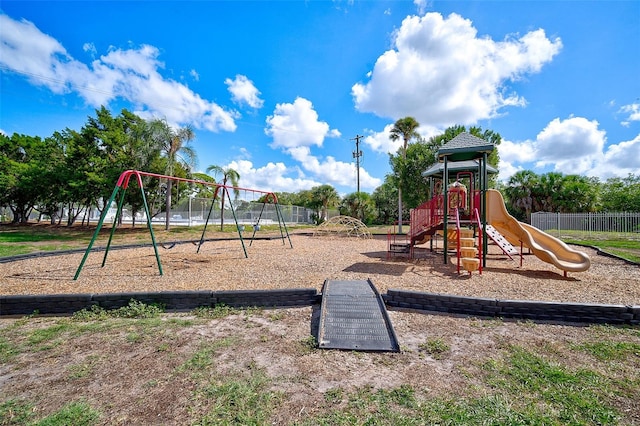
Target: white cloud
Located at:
point(296, 128)
point(633, 111)
point(131, 74)
point(295, 125)
point(421, 6)
point(623, 158)
point(90, 48)
point(381, 142)
point(244, 92)
point(442, 73)
point(573, 145)
point(273, 177)
point(520, 152)
point(194, 74)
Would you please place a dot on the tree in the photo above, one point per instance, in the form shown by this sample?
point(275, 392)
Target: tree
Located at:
point(385, 200)
point(404, 128)
point(621, 194)
point(21, 160)
point(228, 174)
point(419, 157)
point(520, 189)
point(325, 196)
point(174, 144)
point(579, 194)
point(359, 205)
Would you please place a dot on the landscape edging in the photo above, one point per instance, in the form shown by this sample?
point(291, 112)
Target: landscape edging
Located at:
point(563, 312)
point(181, 301)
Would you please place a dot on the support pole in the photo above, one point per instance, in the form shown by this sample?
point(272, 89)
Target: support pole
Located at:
point(445, 207)
point(116, 219)
point(97, 231)
point(206, 222)
point(483, 191)
point(149, 224)
point(235, 219)
point(284, 224)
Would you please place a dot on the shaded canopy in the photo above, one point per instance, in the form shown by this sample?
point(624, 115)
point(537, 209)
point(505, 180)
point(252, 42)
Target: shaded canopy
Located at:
point(437, 170)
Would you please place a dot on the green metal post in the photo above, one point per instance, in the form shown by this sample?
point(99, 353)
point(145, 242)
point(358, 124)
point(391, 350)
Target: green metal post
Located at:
point(254, 228)
point(281, 216)
point(445, 207)
point(233, 211)
point(149, 224)
point(116, 218)
point(206, 222)
point(97, 231)
point(485, 244)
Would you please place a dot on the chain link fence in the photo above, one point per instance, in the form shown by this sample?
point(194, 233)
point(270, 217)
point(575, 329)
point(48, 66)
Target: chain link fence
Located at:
point(193, 212)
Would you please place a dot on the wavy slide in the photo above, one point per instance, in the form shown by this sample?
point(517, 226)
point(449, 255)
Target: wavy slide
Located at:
point(547, 248)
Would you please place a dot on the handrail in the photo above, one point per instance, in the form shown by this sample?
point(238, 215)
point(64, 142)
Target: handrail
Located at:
point(426, 215)
point(480, 234)
point(457, 215)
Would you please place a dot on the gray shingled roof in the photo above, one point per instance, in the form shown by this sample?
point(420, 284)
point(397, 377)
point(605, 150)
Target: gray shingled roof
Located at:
point(463, 147)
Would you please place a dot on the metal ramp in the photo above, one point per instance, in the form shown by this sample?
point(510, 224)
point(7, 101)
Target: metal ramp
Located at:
point(353, 317)
point(501, 241)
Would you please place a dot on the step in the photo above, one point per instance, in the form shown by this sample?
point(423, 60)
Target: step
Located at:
point(468, 252)
point(466, 233)
point(470, 264)
point(399, 247)
point(467, 242)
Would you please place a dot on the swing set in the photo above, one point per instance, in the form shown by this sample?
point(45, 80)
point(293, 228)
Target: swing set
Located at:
point(123, 184)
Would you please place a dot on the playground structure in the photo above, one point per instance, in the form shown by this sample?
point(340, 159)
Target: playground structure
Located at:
point(344, 226)
point(122, 185)
point(467, 219)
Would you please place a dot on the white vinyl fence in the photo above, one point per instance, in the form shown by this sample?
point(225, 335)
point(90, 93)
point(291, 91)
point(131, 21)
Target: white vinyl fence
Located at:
point(588, 225)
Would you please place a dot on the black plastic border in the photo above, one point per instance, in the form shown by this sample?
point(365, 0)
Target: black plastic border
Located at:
point(561, 312)
point(173, 301)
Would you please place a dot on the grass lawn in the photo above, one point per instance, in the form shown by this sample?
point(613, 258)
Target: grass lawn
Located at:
point(137, 365)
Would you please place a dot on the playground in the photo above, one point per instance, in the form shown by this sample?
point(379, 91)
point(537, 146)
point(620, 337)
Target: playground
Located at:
point(483, 252)
point(183, 369)
point(270, 264)
point(263, 366)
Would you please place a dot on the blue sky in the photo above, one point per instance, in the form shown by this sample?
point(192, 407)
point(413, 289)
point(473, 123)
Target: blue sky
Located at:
point(277, 90)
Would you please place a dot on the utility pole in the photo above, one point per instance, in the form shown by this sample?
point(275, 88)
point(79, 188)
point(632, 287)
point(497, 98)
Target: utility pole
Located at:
point(357, 154)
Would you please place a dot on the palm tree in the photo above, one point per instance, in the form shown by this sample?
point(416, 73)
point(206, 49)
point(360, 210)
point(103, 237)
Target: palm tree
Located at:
point(326, 196)
point(404, 128)
point(520, 190)
point(228, 174)
point(174, 144)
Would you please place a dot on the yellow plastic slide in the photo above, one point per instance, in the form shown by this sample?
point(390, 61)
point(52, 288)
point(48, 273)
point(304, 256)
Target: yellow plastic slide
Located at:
point(547, 248)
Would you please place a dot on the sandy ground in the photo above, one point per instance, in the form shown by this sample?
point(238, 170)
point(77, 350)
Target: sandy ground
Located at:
point(222, 265)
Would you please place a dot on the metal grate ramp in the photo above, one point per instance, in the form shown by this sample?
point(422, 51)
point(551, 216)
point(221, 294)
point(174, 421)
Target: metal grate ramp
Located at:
point(353, 317)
